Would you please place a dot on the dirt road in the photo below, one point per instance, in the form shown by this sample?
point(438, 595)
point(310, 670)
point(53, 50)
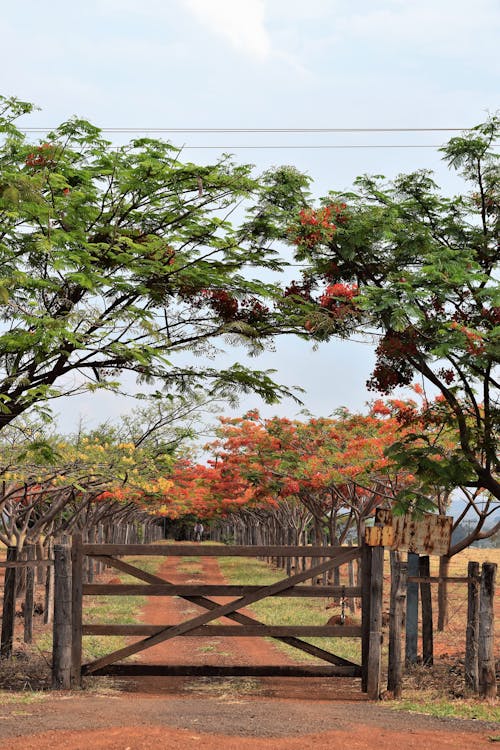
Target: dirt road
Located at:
point(221, 714)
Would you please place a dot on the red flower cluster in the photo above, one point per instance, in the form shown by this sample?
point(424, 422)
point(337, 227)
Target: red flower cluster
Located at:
point(43, 157)
point(318, 225)
point(392, 367)
point(223, 303)
point(338, 291)
point(338, 299)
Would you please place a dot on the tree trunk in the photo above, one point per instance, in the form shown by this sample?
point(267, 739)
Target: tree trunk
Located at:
point(9, 606)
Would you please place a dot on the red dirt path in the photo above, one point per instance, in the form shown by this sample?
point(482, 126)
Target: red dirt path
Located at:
point(263, 714)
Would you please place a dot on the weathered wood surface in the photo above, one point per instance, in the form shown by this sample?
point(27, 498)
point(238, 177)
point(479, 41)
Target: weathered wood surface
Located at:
point(366, 567)
point(438, 579)
point(25, 563)
point(223, 631)
point(396, 620)
point(486, 648)
point(61, 651)
point(213, 550)
point(76, 609)
point(375, 644)
point(472, 630)
point(428, 535)
point(411, 641)
point(168, 589)
point(426, 601)
point(163, 670)
point(222, 610)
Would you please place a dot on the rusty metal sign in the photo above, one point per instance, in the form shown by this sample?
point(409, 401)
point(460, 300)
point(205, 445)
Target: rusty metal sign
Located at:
point(428, 535)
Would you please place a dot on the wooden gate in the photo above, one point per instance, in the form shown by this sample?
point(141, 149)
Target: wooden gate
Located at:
point(322, 559)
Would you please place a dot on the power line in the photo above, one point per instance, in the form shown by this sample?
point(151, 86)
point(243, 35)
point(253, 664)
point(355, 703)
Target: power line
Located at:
point(259, 130)
point(321, 146)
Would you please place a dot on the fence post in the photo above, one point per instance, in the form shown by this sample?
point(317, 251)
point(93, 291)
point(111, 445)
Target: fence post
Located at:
point(472, 631)
point(375, 648)
point(427, 623)
point(366, 567)
point(412, 612)
point(486, 646)
point(9, 606)
point(61, 654)
point(396, 620)
point(76, 610)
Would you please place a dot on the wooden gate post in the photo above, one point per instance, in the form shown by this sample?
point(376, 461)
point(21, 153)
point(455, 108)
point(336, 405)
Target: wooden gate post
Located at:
point(375, 650)
point(61, 650)
point(426, 600)
point(76, 610)
point(472, 631)
point(486, 650)
point(396, 620)
point(411, 642)
point(9, 606)
point(366, 567)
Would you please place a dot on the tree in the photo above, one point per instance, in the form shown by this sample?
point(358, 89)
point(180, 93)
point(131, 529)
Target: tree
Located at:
point(115, 260)
point(419, 271)
point(52, 484)
point(335, 467)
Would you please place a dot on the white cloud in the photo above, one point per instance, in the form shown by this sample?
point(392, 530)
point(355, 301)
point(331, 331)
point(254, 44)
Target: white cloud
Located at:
point(241, 22)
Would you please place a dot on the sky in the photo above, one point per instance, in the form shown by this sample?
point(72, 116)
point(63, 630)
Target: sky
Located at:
point(265, 64)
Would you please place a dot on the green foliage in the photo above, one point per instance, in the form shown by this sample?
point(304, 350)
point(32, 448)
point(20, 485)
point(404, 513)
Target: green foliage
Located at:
point(115, 259)
point(425, 267)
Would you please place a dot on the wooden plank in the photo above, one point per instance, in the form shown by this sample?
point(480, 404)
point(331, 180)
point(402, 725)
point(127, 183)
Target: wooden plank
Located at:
point(366, 566)
point(438, 579)
point(396, 621)
point(211, 550)
point(25, 563)
point(222, 610)
point(471, 667)
point(168, 589)
point(379, 536)
point(411, 641)
point(429, 534)
point(61, 654)
point(224, 631)
point(163, 670)
point(76, 609)
point(375, 651)
point(426, 600)
point(486, 645)
point(239, 617)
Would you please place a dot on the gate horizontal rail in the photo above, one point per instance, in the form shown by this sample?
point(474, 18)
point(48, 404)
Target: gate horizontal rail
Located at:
point(158, 589)
point(225, 631)
point(160, 670)
point(211, 550)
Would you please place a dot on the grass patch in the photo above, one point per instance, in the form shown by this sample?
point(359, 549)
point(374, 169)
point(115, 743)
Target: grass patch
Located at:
point(453, 709)
point(287, 611)
point(25, 698)
point(227, 687)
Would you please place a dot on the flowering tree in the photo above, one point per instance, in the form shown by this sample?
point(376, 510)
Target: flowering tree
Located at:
point(419, 271)
point(336, 468)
